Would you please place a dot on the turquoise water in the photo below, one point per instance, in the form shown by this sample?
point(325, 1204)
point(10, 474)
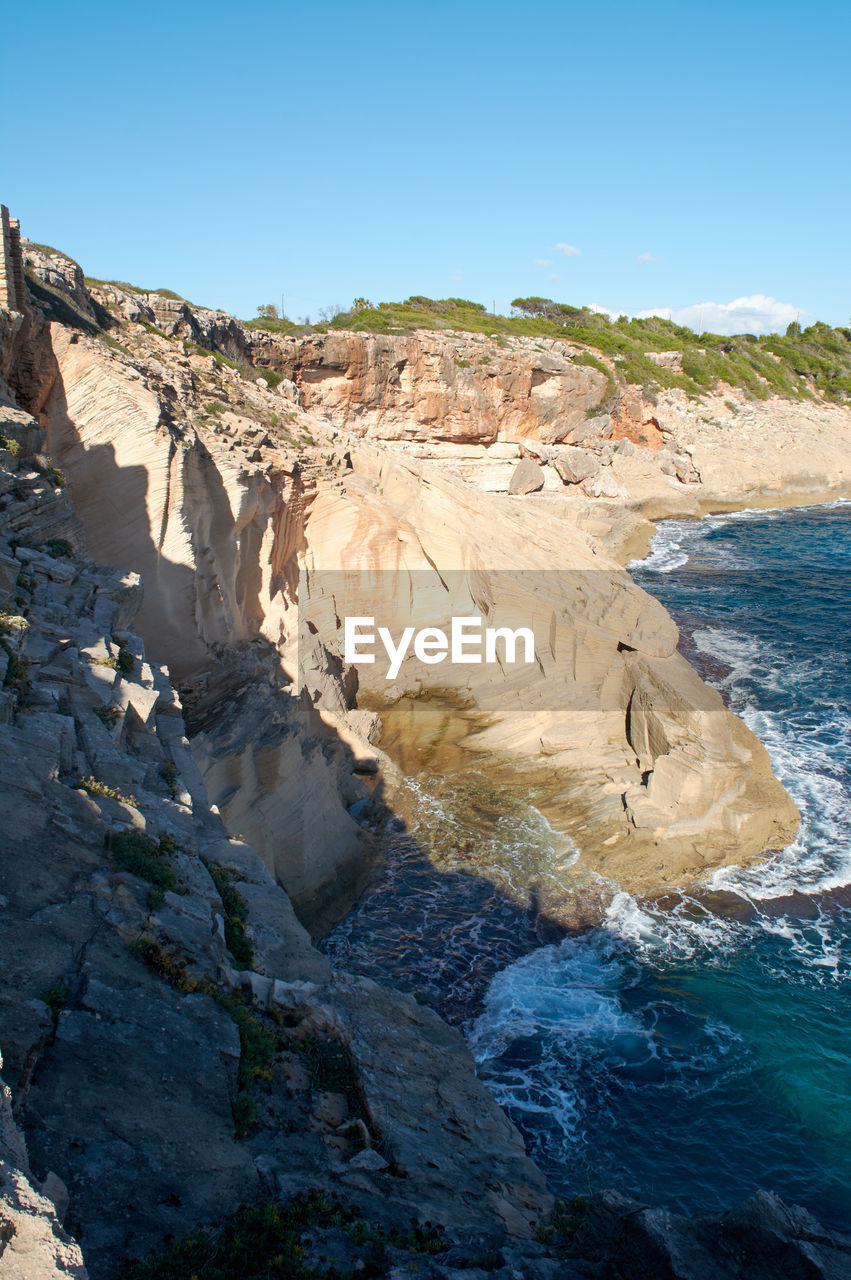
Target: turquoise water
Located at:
point(692, 1048)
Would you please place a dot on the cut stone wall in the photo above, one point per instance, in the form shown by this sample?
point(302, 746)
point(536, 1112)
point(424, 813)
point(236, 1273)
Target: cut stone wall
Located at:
point(12, 284)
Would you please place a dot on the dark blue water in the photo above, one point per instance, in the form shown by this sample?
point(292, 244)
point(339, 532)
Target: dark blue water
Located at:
point(691, 1049)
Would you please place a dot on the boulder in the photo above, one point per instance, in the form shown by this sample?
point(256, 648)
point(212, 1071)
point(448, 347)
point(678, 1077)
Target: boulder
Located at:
point(761, 1239)
point(603, 485)
point(527, 478)
point(576, 465)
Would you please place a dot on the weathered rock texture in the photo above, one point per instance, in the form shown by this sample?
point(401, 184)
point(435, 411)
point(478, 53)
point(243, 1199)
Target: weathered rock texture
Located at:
point(220, 492)
point(440, 386)
point(123, 1008)
point(762, 1239)
point(131, 998)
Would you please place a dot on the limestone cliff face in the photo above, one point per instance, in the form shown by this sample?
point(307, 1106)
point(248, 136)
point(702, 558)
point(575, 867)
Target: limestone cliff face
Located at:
point(236, 506)
point(214, 524)
point(457, 388)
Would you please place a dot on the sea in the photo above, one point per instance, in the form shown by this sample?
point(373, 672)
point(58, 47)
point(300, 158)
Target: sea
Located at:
point(692, 1047)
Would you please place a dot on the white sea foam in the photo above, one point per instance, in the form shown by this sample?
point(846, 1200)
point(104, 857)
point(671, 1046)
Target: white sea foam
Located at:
point(558, 1023)
point(563, 1000)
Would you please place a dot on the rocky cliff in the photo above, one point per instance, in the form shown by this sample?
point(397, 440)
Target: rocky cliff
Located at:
point(222, 491)
point(174, 1043)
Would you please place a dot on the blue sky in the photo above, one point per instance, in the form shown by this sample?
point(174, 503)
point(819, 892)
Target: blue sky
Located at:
point(690, 153)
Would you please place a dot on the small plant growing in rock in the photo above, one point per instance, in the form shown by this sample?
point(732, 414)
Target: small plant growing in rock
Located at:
point(567, 1218)
point(11, 446)
point(94, 787)
point(236, 915)
point(214, 407)
point(125, 661)
point(168, 773)
point(17, 674)
point(141, 856)
point(244, 1109)
point(56, 997)
point(108, 716)
point(271, 377)
point(165, 961)
point(332, 1070)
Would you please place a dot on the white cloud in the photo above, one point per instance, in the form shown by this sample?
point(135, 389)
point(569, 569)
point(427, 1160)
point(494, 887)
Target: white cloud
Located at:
point(755, 314)
point(543, 262)
point(605, 311)
point(646, 257)
point(569, 250)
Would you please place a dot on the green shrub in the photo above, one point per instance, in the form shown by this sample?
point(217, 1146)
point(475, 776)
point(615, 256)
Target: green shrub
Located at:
point(141, 856)
point(11, 446)
point(59, 548)
point(272, 377)
point(56, 997)
point(263, 1242)
point(332, 1069)
point(236, 915)
point(17, 677)
point(244, 1109)
point(168, 773)
point(165, 960)
point(568, 1218)
point(125, 661)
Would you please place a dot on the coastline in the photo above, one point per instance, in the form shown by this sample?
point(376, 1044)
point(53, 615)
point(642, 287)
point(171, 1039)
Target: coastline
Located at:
point(637, 546)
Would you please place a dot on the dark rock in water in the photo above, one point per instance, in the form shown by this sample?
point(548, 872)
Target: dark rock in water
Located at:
point(762, 1239)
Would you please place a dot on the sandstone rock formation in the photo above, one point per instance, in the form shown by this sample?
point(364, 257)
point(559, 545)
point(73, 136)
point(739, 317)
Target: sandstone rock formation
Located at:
point(186, 469)
point(439, 386)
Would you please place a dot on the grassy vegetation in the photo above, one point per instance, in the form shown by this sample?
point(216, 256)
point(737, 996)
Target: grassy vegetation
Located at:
point(264, 1242)
point(112, 343)
point(96, 283)
point(168, 773)
point(94, 787)
point(56, 997)
point(271, 377)
point(48, 250)
point(59, 548)
point(123, 663)
point(141, 856)
point(332, 1069)
point(800, 364)
point(236, 915)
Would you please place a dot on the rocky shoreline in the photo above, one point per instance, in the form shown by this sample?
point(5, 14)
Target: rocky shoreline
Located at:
point(174, 1043)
